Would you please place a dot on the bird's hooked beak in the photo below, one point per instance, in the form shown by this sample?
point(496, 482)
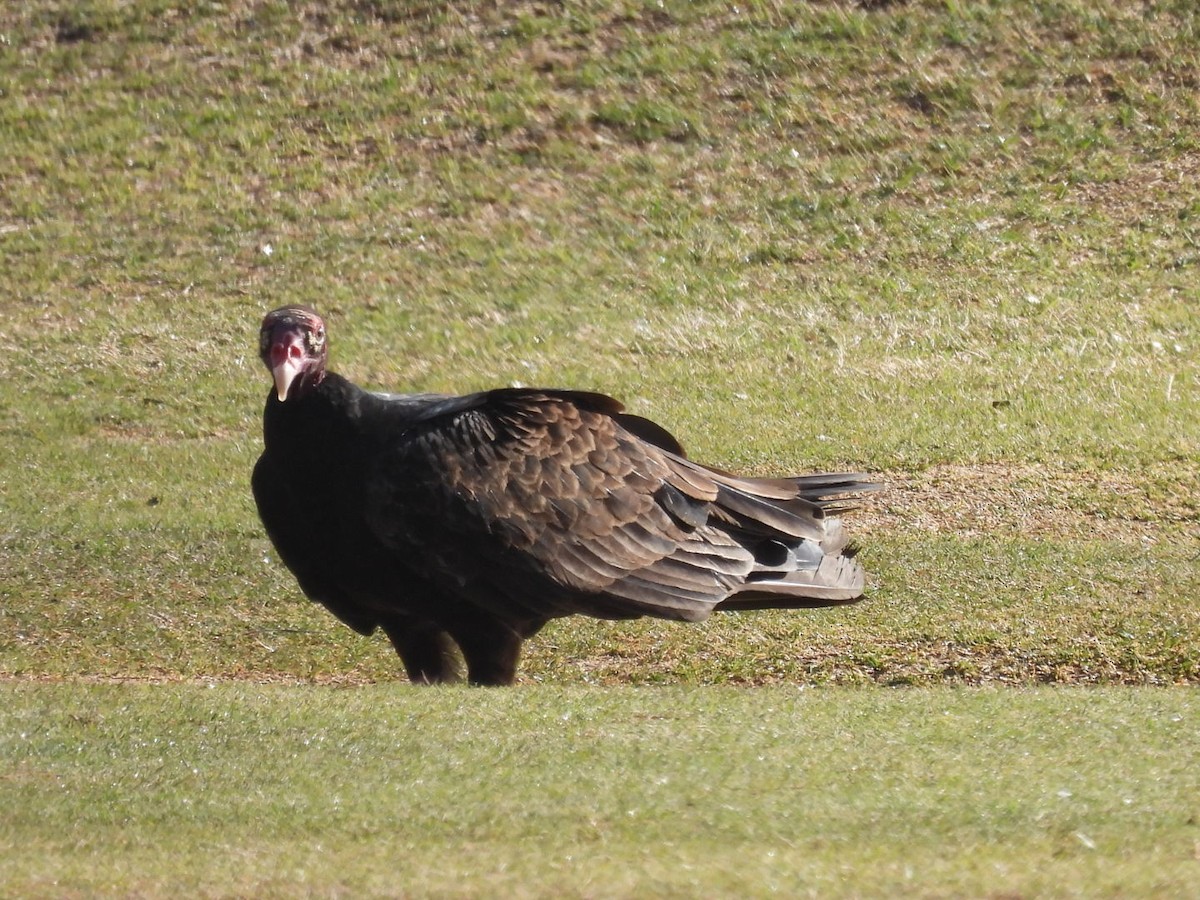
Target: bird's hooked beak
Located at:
point(286, 361)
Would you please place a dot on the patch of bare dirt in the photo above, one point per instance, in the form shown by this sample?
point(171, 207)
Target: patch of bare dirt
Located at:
point(1153, 190)
point(1047, 501)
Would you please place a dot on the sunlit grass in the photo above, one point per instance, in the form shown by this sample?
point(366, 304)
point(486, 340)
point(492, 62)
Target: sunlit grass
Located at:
point(953, 244)
point(887, 241)
point(386, 790)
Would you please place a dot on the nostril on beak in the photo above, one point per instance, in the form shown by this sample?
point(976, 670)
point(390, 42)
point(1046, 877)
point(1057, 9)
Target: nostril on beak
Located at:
point(282, 352)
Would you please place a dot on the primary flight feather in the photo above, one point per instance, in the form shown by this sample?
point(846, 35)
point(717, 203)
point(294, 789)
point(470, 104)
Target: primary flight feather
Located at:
point(469, 522)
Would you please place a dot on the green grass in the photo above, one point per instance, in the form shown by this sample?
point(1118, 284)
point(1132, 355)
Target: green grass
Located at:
point(911, 240)
point(953, 244)
point(235, 788)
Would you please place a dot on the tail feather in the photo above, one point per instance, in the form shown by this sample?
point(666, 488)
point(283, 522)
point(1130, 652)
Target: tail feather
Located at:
point(834, 581)
point(804, 557)
point(748, 543)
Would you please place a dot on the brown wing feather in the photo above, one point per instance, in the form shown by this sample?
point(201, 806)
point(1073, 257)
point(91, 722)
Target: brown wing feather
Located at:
point(570, 493)
point(548, 502)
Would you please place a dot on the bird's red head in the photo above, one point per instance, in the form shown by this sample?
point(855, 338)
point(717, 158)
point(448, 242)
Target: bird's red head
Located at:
point(292, 345)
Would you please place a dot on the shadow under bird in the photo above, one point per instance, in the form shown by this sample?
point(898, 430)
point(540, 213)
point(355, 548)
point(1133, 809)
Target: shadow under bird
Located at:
point(472, 521)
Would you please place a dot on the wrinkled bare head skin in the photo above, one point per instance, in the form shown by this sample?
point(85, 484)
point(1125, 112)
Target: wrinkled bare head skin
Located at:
point(292, 346)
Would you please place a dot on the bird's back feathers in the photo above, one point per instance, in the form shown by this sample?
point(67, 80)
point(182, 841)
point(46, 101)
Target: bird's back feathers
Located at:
point(557, 483)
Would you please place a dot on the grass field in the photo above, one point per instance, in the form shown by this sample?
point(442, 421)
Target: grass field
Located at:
point(236, 789)
point(954, 244)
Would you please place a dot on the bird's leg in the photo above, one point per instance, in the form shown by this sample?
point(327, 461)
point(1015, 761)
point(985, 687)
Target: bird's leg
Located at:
point(426, 650)
point(491, 649)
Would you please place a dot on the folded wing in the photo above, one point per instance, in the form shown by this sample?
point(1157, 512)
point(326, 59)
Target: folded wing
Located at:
point(546, 503)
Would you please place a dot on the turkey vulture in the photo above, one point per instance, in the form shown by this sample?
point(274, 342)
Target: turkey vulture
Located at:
point(474, 520)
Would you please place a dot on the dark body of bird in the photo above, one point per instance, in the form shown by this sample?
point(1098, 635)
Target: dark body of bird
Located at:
point(472, 521)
